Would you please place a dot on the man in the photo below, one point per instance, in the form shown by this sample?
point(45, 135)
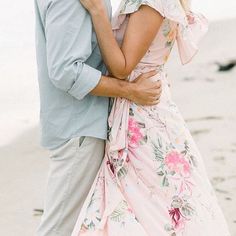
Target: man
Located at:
point(74, 107)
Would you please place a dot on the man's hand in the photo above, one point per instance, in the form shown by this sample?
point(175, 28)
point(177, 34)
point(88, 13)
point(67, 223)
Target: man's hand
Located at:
point(144, 91)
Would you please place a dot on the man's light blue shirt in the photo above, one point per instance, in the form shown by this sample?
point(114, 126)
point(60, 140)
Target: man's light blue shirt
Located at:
point(69, 67)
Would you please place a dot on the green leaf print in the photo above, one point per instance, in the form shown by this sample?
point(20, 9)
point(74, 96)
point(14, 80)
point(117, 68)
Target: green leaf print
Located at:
point(131, 112)
point(168, 44)
point(122, 172)
point(166, 28)
point(119, 213)
point(159, 143)
point(193, 160)
point(186, 146)
point(131, 2)
point(160, 173)
point(187, 210)
point(141, 125)
point(157, 151)
point(144, 140)
point(165, 182)
point(168, 227)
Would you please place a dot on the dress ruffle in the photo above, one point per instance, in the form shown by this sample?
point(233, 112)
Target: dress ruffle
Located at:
point(191, 27)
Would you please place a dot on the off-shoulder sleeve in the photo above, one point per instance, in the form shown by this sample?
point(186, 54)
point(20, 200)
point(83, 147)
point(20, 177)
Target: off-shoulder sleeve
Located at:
point(130, 6)
point(189, 32)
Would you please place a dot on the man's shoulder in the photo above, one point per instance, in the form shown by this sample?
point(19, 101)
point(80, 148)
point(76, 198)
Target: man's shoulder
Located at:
point(48, 3)
point(65, 5)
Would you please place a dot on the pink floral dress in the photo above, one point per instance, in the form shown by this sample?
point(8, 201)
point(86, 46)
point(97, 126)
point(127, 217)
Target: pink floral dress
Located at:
point(153, 181)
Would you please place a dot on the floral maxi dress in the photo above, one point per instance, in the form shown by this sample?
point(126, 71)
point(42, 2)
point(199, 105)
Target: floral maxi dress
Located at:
point(152, 181)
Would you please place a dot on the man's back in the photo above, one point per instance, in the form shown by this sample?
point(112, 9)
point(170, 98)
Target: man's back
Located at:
point(69, 65)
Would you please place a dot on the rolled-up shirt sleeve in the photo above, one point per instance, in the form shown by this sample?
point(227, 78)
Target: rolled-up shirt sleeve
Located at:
point(68, 32)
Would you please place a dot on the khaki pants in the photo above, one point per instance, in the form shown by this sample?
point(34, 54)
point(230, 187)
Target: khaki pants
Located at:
point(73, 169)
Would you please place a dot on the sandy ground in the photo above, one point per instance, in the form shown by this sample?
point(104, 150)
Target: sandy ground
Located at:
point(206, 98)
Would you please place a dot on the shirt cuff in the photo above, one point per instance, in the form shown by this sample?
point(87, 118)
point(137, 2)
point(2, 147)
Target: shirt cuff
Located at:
point(86, 82)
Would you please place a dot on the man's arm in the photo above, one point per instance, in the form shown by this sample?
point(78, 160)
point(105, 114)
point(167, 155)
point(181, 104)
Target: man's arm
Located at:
point(141, 91)
point(68, 32)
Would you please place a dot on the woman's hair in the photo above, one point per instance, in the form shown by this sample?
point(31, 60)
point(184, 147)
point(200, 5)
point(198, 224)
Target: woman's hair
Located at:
point(185, 4)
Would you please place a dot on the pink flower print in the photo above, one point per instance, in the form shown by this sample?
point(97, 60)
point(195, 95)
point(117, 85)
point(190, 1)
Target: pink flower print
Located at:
point(135, 135)
point(191, 19)
point(177, 163)
point(120, 153)
point(177, 218)
point(130, 210)
point(111, 167)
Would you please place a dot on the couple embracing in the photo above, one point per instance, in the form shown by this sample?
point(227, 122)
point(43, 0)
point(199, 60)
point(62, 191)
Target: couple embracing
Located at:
point(123, 162)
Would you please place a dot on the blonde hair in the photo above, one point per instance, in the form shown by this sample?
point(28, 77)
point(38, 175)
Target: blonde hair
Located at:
point(185, 4)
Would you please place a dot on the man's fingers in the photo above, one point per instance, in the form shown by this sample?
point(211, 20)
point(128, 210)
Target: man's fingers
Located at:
point(154, 96)
point(155, 92)
point(145, 75)
point(149, 74)
point(152, 100)
point(153, 103)
point(157, 84)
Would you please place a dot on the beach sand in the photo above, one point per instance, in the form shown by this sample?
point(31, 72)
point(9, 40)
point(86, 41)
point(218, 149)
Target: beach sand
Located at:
point(206, 99)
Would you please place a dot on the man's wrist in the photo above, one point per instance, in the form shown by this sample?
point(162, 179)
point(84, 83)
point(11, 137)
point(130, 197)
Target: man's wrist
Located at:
point(112, 87)
point(126, 89)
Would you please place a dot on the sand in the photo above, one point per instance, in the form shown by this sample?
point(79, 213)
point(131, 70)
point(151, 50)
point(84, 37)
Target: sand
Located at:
point(206, 98)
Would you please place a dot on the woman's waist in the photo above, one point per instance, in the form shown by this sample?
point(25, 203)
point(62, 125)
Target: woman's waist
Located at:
point(144, 68)
point(148, 66)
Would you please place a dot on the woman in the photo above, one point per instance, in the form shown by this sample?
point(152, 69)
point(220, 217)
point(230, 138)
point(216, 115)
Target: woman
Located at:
point(152, 180)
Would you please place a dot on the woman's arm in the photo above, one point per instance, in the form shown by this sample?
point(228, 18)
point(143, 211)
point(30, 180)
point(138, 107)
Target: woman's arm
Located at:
point(142, 28)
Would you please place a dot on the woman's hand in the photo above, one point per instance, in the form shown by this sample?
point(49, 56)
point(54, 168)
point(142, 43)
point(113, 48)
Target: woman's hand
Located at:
point(94, 6)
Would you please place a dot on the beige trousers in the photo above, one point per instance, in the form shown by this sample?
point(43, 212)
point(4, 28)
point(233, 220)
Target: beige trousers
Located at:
point(73, 168)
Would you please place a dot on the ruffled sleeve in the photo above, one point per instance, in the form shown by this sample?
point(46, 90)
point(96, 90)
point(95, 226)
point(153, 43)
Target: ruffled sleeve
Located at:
point(188, 38)
point(191, 28)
